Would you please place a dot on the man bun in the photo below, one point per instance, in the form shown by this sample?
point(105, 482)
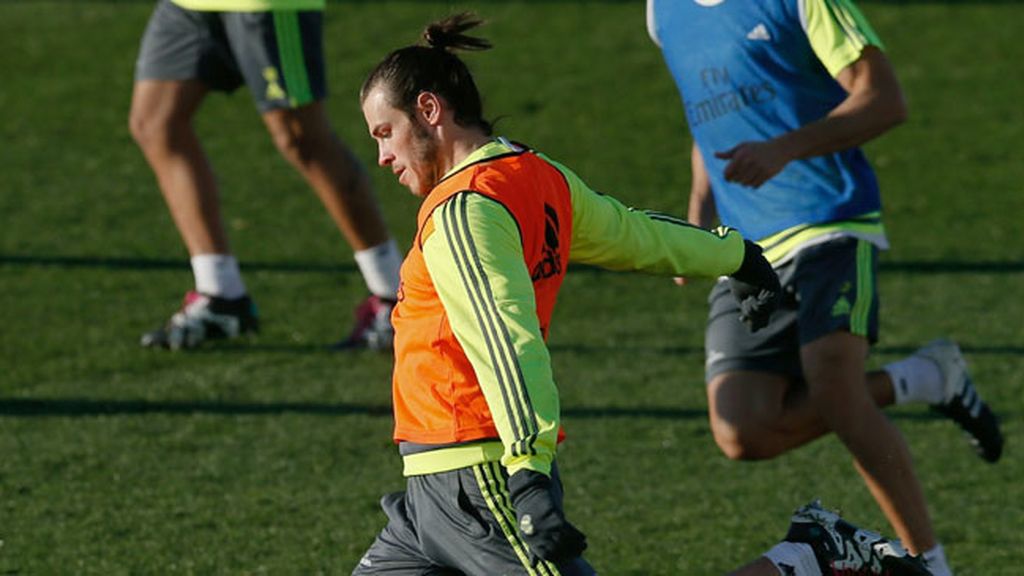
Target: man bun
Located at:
point(432, 66)
point(448, 34)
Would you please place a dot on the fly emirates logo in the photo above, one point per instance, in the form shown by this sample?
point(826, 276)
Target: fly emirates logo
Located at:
point(725, 97)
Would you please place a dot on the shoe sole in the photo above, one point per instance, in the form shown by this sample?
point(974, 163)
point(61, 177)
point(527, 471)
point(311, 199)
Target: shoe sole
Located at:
point(983, 431)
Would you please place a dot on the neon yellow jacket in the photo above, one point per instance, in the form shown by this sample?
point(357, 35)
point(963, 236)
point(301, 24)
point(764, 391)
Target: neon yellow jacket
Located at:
point(473, 380)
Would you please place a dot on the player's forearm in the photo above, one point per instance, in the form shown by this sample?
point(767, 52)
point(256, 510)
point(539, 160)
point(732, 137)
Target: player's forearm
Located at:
point(874, 105)
point(858, 120)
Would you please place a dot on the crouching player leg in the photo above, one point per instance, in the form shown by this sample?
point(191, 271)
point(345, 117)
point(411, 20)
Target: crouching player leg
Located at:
point(821, 543)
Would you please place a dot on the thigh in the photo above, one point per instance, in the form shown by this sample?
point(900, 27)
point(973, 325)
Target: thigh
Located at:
point(834, 365)
point(165, 102)
point(181, 44)
point(280, 55)
point(474, 529)
point(396, 550)
point(741, 399)
point(731, 347)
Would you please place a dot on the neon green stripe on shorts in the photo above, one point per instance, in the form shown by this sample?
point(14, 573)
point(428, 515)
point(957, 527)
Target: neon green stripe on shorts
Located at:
point(293, 62)
point(861, 313)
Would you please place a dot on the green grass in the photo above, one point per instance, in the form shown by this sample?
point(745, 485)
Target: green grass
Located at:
point(270, 457)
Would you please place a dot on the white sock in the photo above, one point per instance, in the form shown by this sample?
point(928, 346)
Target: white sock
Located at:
point(936, 561)
point(916, 379)
point(380, 265)
point(218, 275)
point(794, 559)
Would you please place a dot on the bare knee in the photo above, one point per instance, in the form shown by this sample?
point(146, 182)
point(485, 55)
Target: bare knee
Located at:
point(744, 411)
point(297, 146)
point(743, 441)
point(316, 151)
point(161, 113)
point(303, 134)
point(149, 132)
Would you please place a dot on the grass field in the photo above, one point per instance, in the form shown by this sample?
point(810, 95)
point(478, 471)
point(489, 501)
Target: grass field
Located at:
point(269, 457)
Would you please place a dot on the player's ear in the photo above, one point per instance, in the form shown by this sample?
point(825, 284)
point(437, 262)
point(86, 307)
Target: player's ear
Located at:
point(429, 107)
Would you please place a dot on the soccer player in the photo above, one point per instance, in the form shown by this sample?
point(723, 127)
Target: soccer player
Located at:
point(779, 96)
point(476, 408)
point(192, 47)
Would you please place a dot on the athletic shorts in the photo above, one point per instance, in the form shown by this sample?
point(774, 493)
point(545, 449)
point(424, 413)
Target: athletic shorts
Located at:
point(278, 54)
point(457, 523)
point(827, 287)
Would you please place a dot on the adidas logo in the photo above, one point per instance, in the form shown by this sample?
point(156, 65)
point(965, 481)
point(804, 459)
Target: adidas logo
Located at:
point(759, 32)
point(841, 307)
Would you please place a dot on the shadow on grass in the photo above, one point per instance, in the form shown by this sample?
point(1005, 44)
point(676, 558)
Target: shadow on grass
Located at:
point(252, 345)
point(135, 264)
point(111, 407)
point(86, 407)
point(639, 349)
point(27, 407)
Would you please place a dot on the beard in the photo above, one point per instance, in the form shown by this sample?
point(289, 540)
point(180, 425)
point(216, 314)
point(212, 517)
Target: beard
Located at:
point(427, 151)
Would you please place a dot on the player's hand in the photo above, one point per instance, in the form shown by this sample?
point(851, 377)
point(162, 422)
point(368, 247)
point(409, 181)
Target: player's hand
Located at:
point(680, 280)
point(753, 163)
point(541, 523)
point(755, 285)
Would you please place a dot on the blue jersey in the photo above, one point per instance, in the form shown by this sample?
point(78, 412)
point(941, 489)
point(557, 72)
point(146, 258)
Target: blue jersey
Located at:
point(750, 71)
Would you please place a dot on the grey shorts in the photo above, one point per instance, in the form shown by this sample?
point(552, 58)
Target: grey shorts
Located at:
point(278, 54)
point(456, 523)
point(826, 288)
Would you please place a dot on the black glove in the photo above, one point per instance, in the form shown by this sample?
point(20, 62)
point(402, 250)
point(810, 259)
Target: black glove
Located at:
point(541, 522)
point(756, 288)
